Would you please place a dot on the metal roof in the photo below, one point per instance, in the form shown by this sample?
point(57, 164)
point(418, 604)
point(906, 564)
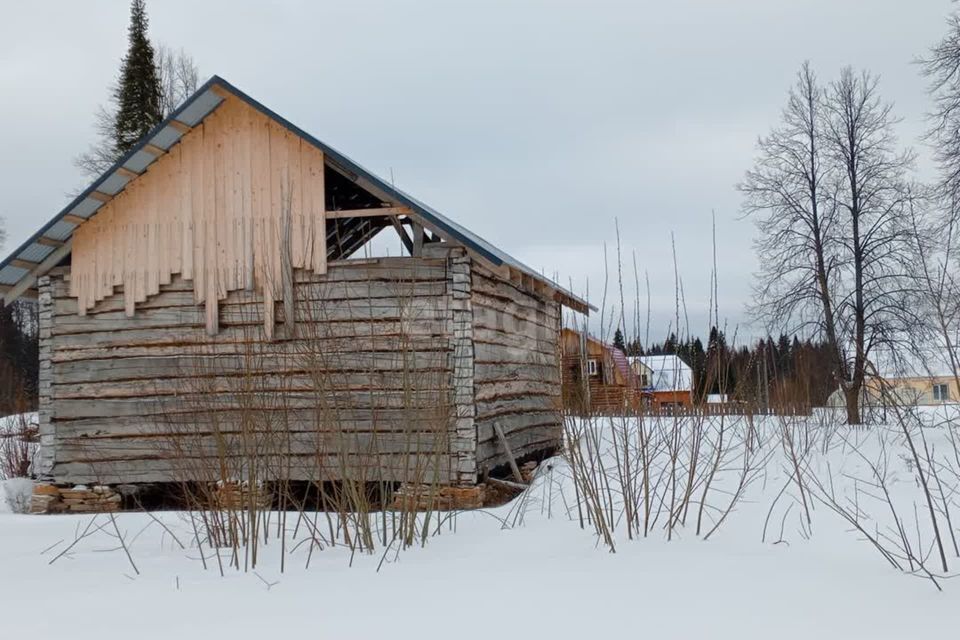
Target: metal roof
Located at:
point(166, 134)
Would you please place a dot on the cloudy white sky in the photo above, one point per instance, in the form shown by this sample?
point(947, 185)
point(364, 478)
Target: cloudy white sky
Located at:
point(534, 123)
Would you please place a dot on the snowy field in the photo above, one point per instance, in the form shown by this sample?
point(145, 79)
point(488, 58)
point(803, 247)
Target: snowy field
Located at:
point(528, 569)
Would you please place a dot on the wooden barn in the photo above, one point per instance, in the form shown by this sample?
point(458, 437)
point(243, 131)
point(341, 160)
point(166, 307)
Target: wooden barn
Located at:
point(597, 377)
point(218, 271)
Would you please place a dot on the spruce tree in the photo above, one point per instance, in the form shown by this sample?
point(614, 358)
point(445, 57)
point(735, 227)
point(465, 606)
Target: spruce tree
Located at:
point(618, 340)
point(138, 94)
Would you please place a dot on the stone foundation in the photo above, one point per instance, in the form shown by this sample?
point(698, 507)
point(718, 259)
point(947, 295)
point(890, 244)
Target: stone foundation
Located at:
point(425, 497)
point(48, 498)
point(232, 496)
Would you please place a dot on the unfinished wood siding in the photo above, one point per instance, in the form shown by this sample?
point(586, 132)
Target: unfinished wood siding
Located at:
point(516, 368)
point(225, 208)
point(363, 386)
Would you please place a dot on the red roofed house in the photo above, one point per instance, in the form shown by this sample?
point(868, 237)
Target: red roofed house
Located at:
point(597, 377)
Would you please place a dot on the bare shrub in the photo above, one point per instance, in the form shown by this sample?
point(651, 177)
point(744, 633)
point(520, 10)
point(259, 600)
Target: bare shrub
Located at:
point(18, 445)
point(638, 473)
point(335, 432)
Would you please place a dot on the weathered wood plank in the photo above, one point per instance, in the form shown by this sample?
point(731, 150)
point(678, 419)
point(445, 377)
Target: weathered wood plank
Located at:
point(518, 423)
point(541, 373)
point(234, 443)
point(198, 365)
point(352, 419)
point(192, 339)
point(485, 353)
point(166, 405)
point(518, 404)
point(383, 309)
point(150, 388)
point(491, 390)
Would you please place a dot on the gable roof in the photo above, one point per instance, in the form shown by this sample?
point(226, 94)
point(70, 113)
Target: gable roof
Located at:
point(622, 363)
point(52, 242)
point(669, 373)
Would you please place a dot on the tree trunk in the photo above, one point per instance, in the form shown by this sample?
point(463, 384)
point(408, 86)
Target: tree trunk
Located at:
point(851, 395)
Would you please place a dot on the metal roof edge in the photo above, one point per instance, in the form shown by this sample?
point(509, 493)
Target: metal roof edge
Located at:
point(83, 195)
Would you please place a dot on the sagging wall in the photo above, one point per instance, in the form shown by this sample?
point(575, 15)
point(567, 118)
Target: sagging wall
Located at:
point(366, 383)
point(516, 368)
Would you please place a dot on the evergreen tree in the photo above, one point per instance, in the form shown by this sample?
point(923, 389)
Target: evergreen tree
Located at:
point(618, 340)
point(138, 96)
point(669, 345)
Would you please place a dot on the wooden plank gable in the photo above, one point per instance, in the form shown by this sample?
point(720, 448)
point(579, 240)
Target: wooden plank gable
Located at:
point(237, 201)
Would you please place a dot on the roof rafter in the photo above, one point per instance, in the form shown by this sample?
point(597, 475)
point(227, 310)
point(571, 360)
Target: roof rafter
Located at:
point(28, 281)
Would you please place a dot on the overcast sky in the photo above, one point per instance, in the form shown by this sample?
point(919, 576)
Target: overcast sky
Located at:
point(535, 124)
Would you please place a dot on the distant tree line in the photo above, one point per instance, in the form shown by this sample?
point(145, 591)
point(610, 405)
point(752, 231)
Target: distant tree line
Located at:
point(771, 372)
point(19, 357)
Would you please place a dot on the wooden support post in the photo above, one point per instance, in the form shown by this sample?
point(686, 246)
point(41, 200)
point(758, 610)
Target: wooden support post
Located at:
point(417, 239)
point(507, 484)
point(506, 447)
point(404, 238)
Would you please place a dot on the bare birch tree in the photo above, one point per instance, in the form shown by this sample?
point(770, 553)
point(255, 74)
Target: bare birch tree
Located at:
point(876, 304)
point(934, 217)
point(942, 68)
point(827, 192)
point(788, 193)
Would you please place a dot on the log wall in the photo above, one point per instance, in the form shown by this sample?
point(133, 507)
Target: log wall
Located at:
point(516, 368)
point(396, 369)
point(363, 387)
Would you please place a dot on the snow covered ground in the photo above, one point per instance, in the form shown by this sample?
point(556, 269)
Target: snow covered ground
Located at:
point(541, 575)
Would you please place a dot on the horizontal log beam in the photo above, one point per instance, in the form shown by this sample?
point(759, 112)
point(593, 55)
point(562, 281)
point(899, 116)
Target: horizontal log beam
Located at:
point(29, 280)
point(29, 293)
point(22, 264)
point(366, 213)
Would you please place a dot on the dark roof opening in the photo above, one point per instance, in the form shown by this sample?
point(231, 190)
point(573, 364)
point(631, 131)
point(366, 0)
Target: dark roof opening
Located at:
point(342, 193)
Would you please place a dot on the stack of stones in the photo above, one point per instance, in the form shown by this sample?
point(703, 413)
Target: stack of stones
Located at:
point(426, 497)
point(233, 496)
point(48, 498)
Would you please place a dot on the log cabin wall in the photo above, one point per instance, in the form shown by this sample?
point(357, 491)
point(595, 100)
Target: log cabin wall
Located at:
point(364, 385)
point(389, 359)
point(516, 368)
